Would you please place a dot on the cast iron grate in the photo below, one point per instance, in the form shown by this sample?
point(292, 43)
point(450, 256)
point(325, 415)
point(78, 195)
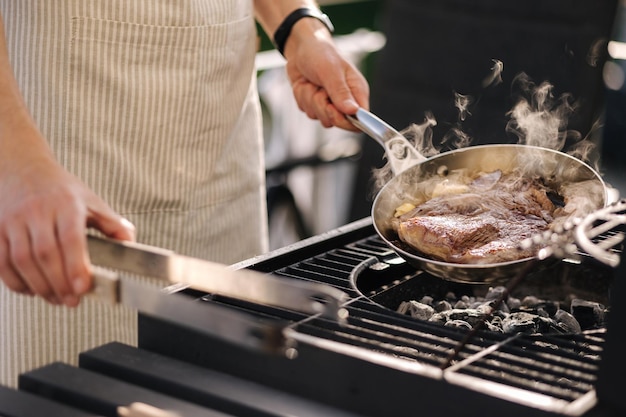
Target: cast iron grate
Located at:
point(562, 367)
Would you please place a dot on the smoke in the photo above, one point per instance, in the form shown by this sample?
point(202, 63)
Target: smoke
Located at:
point(495, 77)
point(586, 149)
point(421, 136)
point(462, 102)
point(456, 138)
point(538, 118)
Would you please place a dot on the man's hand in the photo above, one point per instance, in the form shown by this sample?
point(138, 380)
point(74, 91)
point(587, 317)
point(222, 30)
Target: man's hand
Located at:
point(44, 212)
point(325, 85)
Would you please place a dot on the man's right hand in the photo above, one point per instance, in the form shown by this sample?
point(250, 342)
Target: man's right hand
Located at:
point(44, 214)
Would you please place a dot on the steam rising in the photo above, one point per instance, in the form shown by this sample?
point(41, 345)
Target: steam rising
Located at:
point(421, 135)
point(457, 138)
point(538, 119)
point(495, 77)
point(462, 102)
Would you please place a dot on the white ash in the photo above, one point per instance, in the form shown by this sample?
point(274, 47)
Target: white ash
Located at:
point(529, 315)
point(416, 309)
point(458, 323)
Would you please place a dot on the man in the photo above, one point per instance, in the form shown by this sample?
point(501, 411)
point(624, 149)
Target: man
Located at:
point(136, 117)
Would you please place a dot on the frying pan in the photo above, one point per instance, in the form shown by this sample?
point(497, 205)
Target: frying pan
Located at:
point(415, 176)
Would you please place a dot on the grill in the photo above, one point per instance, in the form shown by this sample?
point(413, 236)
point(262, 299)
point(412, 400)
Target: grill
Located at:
point(378, 363)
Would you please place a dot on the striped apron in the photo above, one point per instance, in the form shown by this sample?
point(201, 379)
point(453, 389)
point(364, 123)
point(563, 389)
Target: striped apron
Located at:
point(153, 104)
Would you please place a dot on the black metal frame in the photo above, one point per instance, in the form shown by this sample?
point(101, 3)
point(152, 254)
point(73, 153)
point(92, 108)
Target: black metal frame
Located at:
point(381, 362)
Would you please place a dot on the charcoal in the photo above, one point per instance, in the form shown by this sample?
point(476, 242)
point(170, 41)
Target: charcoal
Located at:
point(513, 303)
point(427, 299)
point(540, 308)
point(488, 308)
point(557, 328)
point(450, 296)
point(497, 321)
point(503, 307)
point(485, 308)
point(589, 314)
point(545, 325)
point(459, 323)
point(443, 306)
point(438, 318)
point(520, 322)
point(550, 307)
point(469, 315)
point(541, 312)
point(416, 310)
point(530, 301)
point(495, 293)
point(494, 326)
point(528, 315)
point(567, 322)
point(528, 310)
point(403, 307)
point(501, 314)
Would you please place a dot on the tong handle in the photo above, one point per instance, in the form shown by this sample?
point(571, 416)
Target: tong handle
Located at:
point(106, 285)
point(214, 278)
point(240, 328)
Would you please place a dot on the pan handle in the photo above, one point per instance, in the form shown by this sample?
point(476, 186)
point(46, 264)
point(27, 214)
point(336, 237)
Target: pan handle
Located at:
point(399, 151)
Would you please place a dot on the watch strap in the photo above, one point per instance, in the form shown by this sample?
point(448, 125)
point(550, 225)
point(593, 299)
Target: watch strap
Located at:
point(282, 33)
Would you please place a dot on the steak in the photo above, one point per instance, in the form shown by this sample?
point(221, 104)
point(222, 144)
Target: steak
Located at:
point(483, 223)
point(442, 236)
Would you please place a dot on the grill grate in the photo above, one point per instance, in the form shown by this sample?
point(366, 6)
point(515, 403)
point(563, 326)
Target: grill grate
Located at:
point(561, 367)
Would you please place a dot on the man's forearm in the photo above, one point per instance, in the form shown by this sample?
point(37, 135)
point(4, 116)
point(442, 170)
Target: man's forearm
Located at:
point(14, 115)
point(9, 93)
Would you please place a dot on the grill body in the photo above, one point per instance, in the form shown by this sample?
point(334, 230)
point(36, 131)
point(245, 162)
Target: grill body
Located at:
point(382, 363)
point(378, 363)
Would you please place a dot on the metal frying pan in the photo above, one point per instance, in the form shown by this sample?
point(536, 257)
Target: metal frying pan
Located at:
point(414, 174)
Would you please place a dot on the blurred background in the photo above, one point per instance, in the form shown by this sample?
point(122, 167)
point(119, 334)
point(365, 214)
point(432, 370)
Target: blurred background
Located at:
point(420, 57)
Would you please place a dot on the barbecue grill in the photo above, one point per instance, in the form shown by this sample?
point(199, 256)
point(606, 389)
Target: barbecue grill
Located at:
point(379, 362)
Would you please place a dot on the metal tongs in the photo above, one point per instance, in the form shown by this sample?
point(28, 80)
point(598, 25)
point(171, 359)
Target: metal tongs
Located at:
point(111, 257)
point(591, 234)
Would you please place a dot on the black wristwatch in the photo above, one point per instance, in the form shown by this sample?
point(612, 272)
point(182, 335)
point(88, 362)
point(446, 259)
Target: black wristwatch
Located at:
point(283, 31)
